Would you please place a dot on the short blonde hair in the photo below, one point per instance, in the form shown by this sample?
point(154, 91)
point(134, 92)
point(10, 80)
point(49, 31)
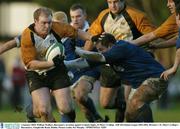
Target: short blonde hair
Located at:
point(42, 11)
point(60, 17)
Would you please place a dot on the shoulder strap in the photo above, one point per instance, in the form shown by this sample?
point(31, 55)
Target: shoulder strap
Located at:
point(136, 33)
point(32, 38)
point(31, 27)
point(103, 20)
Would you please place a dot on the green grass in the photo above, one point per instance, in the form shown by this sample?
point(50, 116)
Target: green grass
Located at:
point(170, 115)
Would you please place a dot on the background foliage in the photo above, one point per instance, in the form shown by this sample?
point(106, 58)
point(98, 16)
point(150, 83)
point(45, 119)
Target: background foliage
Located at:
point(155, 9)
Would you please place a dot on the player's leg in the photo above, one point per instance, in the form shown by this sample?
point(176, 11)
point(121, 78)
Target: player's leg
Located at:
point(127, 92)
point(64, 103)
point(62, 93)
point(138, 109)
point(120, 104)
point(109, 97)
point(83, 87)
point(40, 96)
point(42, 104)
point(29, 112)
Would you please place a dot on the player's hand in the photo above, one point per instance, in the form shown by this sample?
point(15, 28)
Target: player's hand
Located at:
point(58, 60)
point(166, 74)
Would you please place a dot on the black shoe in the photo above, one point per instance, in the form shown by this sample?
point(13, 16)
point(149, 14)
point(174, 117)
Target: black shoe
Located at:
point(18, 108)
point(106, 119)
point(30, 119)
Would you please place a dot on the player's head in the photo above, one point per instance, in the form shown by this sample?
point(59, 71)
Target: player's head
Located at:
point(60, 17)
point(43, 21)
point(103, 42)
point(78, 16)
point(171, 5)
point(116, 6)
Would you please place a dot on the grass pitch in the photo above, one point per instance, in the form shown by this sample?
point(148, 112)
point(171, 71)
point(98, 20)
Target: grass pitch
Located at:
point(172, 114)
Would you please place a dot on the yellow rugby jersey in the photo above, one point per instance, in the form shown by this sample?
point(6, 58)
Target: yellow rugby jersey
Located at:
point(119, 27)
point(33, 47)
point(168, 28)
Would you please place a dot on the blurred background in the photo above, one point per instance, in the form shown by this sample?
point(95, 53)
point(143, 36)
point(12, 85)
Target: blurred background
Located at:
point(15, 15)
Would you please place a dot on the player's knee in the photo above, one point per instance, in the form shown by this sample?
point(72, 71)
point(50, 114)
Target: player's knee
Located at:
point(43, 111)
point(80, 95)
point(36, 113)
point(65, 108)
point(104, 103)
point(134, 103)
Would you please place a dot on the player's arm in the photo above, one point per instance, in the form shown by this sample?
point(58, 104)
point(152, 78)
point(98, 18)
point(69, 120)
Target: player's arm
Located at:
point(165, 75)
point(95, 29)
point(89, 59)
point(144, 39)
point(39, 65)
point(164, 44)
point(93, 56)
point(7, 46)
point(88, 45)
point(84, 35)
point(29, 54)
point(79, 63)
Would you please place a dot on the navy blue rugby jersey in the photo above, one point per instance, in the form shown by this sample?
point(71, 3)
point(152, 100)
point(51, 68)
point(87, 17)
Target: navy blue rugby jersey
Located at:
point(132, 63)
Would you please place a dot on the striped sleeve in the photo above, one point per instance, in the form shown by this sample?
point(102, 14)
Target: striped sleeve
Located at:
point(64, 30)
point(168, 28)
point(141, 21)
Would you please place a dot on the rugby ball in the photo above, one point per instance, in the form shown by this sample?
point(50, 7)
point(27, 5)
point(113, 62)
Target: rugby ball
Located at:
point(54, 50)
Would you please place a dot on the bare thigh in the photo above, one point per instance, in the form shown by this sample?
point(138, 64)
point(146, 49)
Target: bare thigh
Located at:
point(63, 99)
point(107, 96)
point(41, 100)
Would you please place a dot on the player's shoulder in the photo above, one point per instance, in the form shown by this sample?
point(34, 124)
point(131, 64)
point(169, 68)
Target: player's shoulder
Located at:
point(103, 13)
point(26, 31)
point(58, 25)
point(64, 29)
point(135, 12)
point(26, 36)
point(171, 18)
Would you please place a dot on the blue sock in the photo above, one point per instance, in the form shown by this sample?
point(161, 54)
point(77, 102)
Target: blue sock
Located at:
point(68, 117)
point(92, 110)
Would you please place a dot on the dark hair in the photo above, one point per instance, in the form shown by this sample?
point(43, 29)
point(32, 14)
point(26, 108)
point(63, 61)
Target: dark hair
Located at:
point(78, 6)
point(178, 9)
point(45, 11)
point(105, 39)
point(176, 2)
